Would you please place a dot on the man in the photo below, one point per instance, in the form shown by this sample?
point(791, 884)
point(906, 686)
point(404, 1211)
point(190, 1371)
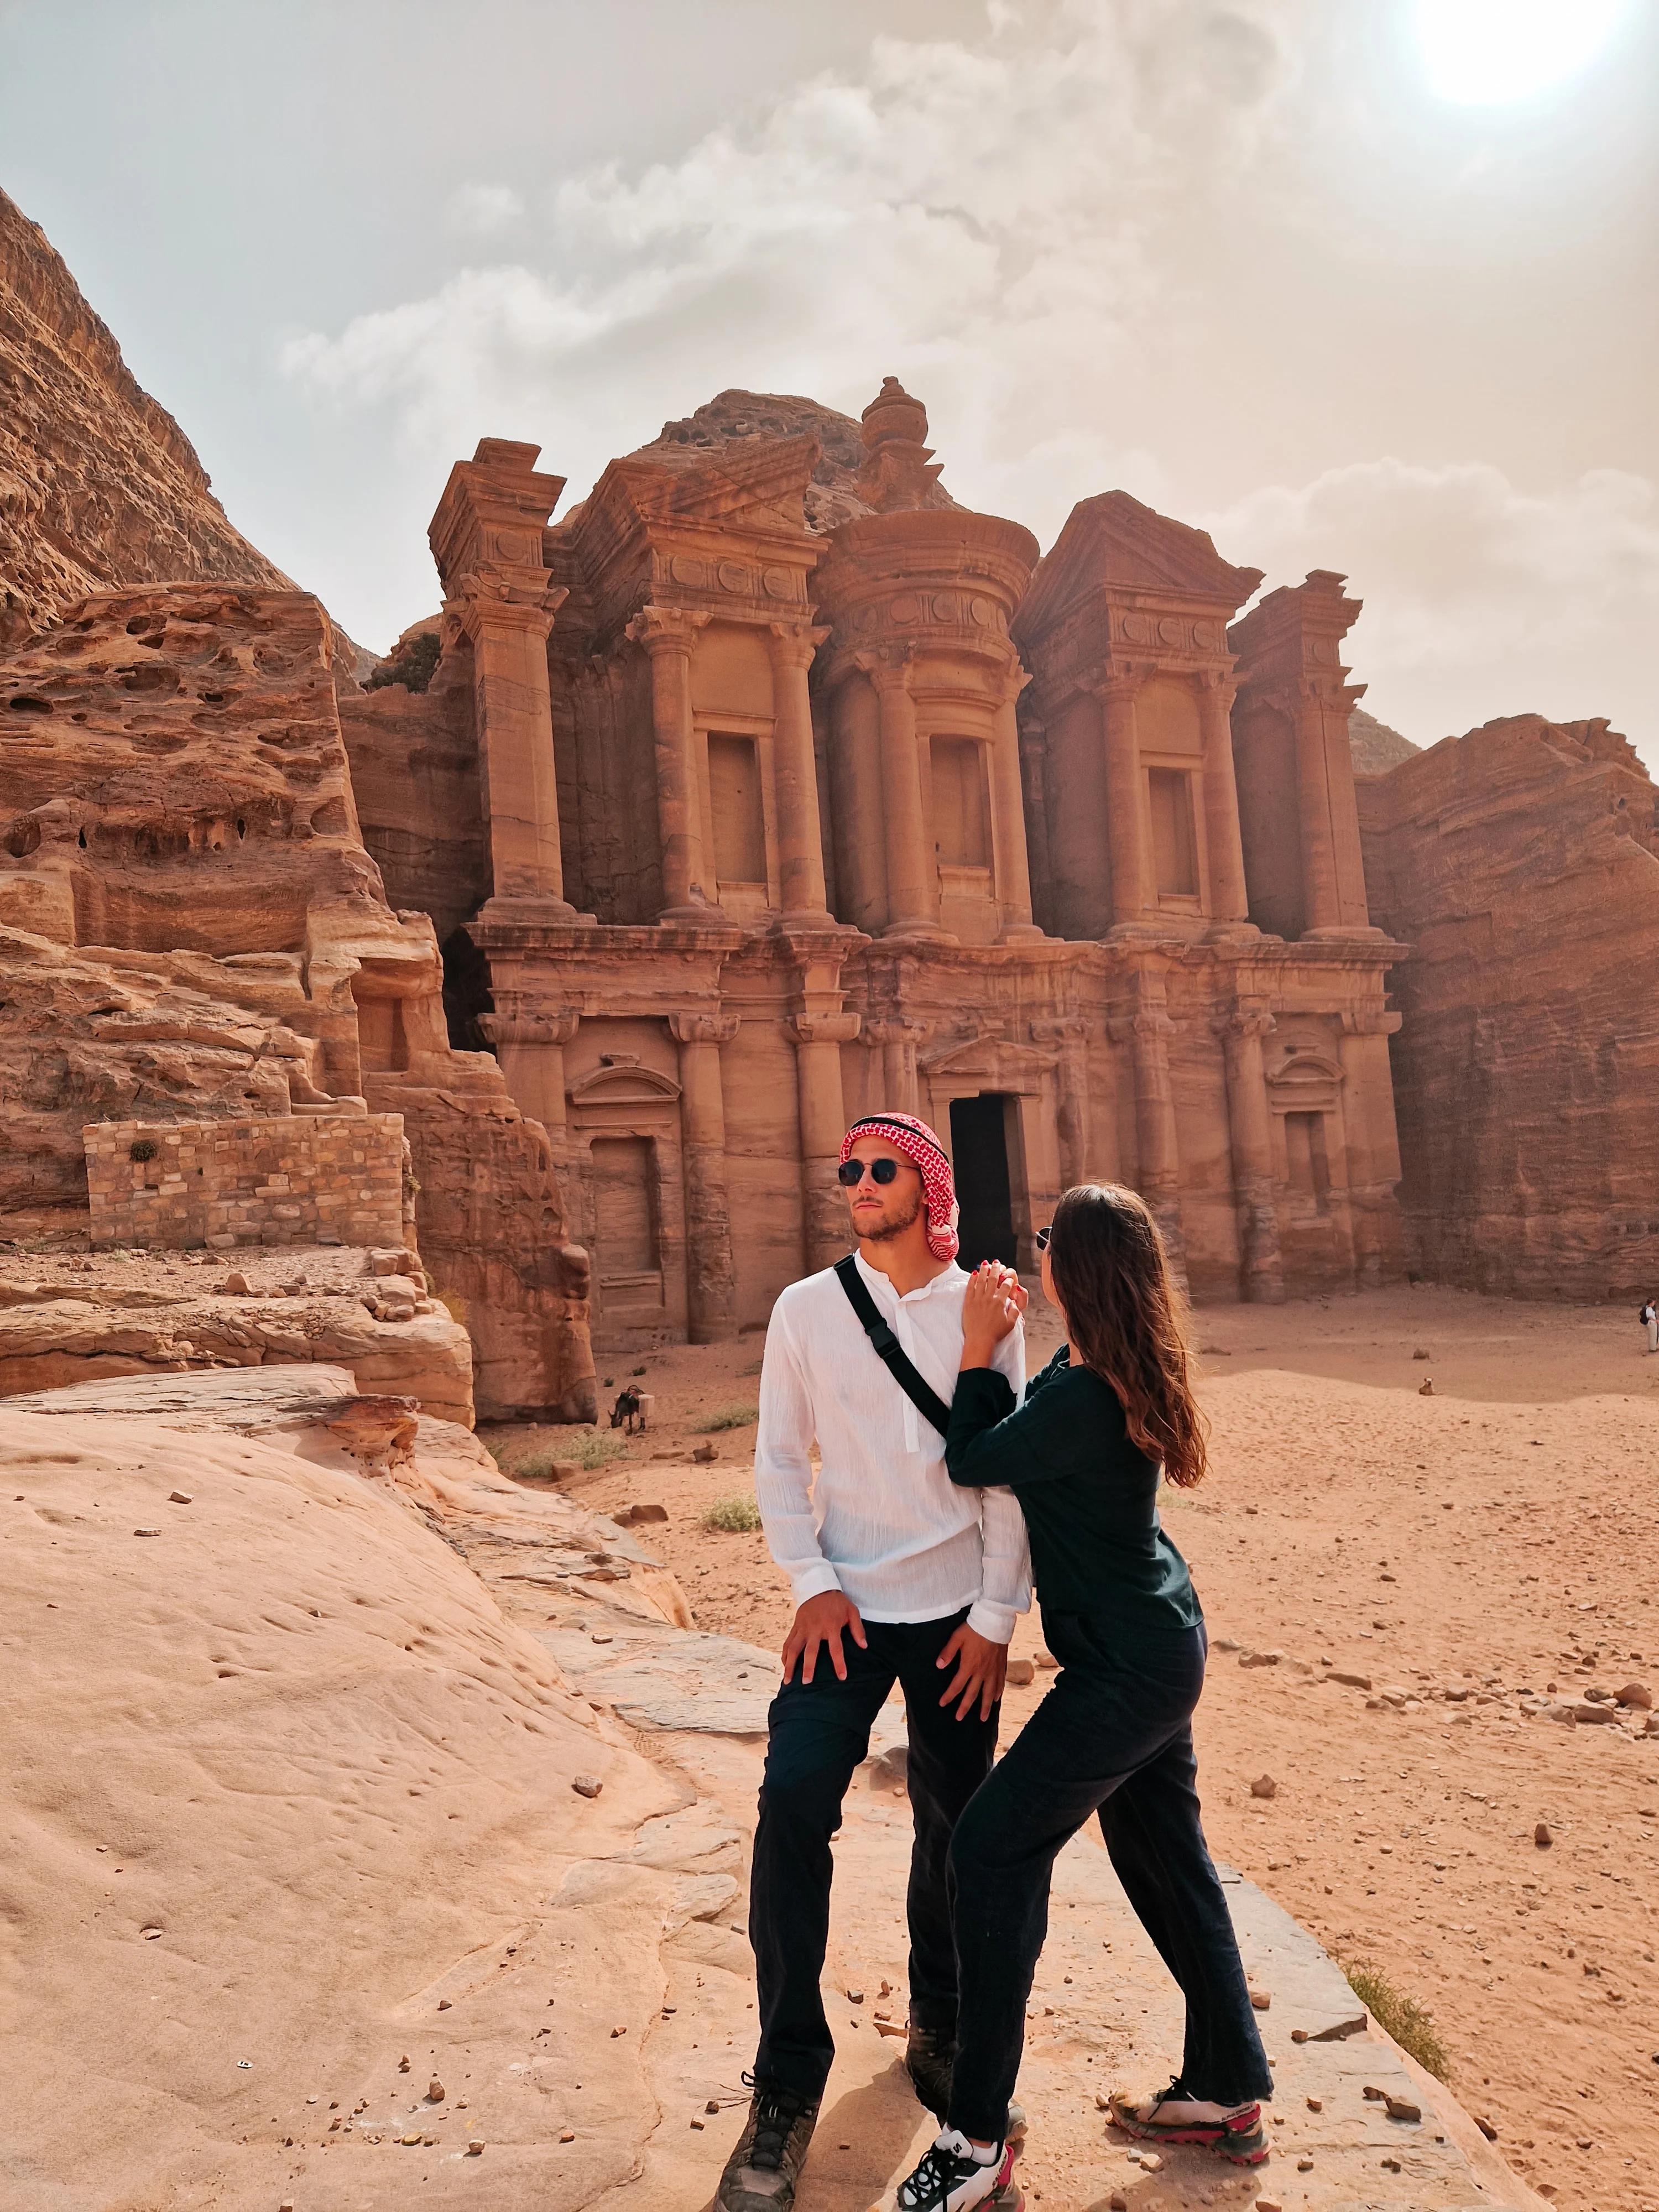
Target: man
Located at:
point(897, 1576)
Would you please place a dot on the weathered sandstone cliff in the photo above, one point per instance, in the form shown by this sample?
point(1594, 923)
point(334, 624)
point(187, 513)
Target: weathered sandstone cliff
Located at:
point(98, 483)
point(190, 928)
point(1522, 865)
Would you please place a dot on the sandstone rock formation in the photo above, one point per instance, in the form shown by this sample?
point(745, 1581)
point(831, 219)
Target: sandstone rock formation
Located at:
point(98, 483)
point(1376, 748)
point(192, 928)
point(1522, 863)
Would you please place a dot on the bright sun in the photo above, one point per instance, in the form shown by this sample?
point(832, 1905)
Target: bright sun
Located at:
point(1482, 52)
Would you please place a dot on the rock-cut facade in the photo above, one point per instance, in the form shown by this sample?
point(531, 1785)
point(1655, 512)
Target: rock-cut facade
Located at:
point(770, 787)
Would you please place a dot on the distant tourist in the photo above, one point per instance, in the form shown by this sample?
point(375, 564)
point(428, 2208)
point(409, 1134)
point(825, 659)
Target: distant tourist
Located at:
point(898, 1575)
point(1649, 1317)
point(1113, 1738)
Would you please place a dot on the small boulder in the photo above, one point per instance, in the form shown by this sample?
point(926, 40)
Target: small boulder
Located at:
point(235, 1284)
point(1541, 1836)
point(705, 1454)
point(1637, 1695)
point(1259, 1658)
point(180, 1498)
point(1419, 1354)
point(1264, 1786)
point(1402, 2108)
point(587, 1785)
point(435, 2091)
point(1425, 1388)
point(1020, 1671)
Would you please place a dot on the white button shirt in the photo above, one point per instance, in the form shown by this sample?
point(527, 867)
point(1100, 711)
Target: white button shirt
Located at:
point(884, 1523)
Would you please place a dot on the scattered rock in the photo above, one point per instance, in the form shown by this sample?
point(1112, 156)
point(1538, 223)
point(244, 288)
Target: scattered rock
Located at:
point(149, 1935)
point(704, 1452)
point(403, 2063)
point(475, 2149)
point(699, 2125)
point(1268, 2204)
point(1259, 1658)
point(1419, 1354)
point(567, 2135)
point(1304, 2166)
point(1350, 1681)
point(180, 1498)
point(713, 2105)
point(633, 1517)
point(235, 1284)
point(1264, 1786)
point(1425, 1388)
point(855, 1996)
point(1261, 1999)
point(1020, 1671)
point(1316, 2104)
point(1046, 1661)
point(1402, 2108)
point(1372, 2095)
point(1541, 1836)
point(445, 2003)
point(587, 1785)
point(146, 1532)
point(435, 2092)
point(1485, 2126)
point(1636, 1695)
point(1587, 1711)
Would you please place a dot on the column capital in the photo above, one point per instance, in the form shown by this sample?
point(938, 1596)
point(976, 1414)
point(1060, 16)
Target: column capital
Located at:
point(668, 629)
point(823, 1028)
point(1370, 1021)
point(1119, 685)
point(1065, 1029)
point(1150, 1026)
point(1242, 1021)
point(522, 1027)
point(482, 606)
point(888, 667)
point(1219, 682)
point(794, 645)
point(896, 1029)
point(692, 1026)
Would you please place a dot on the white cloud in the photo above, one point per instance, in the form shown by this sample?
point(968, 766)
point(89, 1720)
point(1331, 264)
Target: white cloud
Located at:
point(973, 216)
point(481, 210)
point(1481, 599)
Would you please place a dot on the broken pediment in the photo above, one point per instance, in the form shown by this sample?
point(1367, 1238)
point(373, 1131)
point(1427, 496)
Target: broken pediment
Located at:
point(1114, 545)
point(620, 1080)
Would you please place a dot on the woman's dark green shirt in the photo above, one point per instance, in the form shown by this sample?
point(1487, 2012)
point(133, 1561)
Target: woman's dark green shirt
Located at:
point(1087, 1492)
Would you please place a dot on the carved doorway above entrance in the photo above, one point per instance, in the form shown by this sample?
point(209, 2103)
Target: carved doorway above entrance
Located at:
point(979, 1146)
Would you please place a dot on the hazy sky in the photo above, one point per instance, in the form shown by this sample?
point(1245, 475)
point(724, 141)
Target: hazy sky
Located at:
point(1360, 284)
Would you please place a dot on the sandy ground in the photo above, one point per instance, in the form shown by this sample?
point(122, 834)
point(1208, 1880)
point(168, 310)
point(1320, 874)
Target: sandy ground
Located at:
point(1477, 1555)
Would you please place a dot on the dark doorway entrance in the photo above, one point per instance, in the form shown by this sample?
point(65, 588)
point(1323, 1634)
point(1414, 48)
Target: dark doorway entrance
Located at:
point(979, 1145)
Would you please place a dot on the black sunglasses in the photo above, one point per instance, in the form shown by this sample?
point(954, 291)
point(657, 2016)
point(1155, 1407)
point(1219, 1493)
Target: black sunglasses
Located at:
point(1041, 1240)
point(850, 1173)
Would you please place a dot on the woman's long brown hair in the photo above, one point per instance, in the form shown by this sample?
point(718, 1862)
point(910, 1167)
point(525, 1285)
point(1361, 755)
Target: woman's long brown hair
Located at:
point(1126, 1320)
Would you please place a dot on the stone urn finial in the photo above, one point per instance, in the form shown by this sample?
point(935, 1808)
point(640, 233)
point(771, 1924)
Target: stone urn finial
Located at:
point(894, 417)
point(899, 471)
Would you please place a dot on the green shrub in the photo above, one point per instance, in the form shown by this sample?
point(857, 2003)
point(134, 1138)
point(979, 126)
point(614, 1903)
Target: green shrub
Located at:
point(736, 1515)
point(1401, 2017)
point(590, 1448)
point(729, 1416)
point(413, 665)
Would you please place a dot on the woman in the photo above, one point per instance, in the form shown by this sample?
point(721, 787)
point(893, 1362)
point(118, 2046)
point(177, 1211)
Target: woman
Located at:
point(1114, 1736)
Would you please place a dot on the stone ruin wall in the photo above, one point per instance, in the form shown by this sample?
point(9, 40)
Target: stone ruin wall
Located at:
point(191, 928)
point(1522, 862)
point(315, 1179)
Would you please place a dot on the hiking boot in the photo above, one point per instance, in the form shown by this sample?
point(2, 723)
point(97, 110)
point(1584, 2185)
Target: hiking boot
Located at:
point(954, 2177)
point(1232, 2131)
point(930, 2057)
point(760, 2175)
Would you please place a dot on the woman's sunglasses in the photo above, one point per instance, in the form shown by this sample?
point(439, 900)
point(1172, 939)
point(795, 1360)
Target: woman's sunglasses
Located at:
point(1041, 1240)
point(850, 1173)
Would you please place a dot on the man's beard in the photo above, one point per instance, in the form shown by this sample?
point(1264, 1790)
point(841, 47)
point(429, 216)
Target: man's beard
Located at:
point(888, 1228)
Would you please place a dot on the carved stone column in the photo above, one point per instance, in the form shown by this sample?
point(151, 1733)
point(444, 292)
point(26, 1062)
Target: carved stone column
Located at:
point(669, 635)
point(1369, 1137)
point(1321, 908)
point(1223, 843)
point(912, 877)
point(530, 1049)
point(514, 720)
point(818, 1040)
point(1013, 868)
point(1260, 1273)
point(1147, 1032)
point(899, 1038)
point(711, 1280)
point(1070, 1033)
point(800, 832)
point(1123, 811)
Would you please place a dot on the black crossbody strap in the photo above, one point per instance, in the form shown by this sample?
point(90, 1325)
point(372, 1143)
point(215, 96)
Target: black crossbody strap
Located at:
point(921, 1394)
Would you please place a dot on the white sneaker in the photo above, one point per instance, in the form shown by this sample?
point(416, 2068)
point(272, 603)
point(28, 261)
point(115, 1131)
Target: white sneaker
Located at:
point(954, 2176)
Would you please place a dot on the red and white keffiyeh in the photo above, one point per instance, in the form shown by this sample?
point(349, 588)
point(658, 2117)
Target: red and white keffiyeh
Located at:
point(906, 1134)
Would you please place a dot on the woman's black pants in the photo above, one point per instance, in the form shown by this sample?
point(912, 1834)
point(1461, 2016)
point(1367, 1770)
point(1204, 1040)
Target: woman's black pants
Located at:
point(1112, 1737)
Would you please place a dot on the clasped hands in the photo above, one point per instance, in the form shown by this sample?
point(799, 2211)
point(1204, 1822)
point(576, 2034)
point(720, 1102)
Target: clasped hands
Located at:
point(992, 1305)
point(981, 1665)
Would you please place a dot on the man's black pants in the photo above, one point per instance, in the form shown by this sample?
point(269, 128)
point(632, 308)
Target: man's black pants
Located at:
point(1113, 1738)
point(819, 1731)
